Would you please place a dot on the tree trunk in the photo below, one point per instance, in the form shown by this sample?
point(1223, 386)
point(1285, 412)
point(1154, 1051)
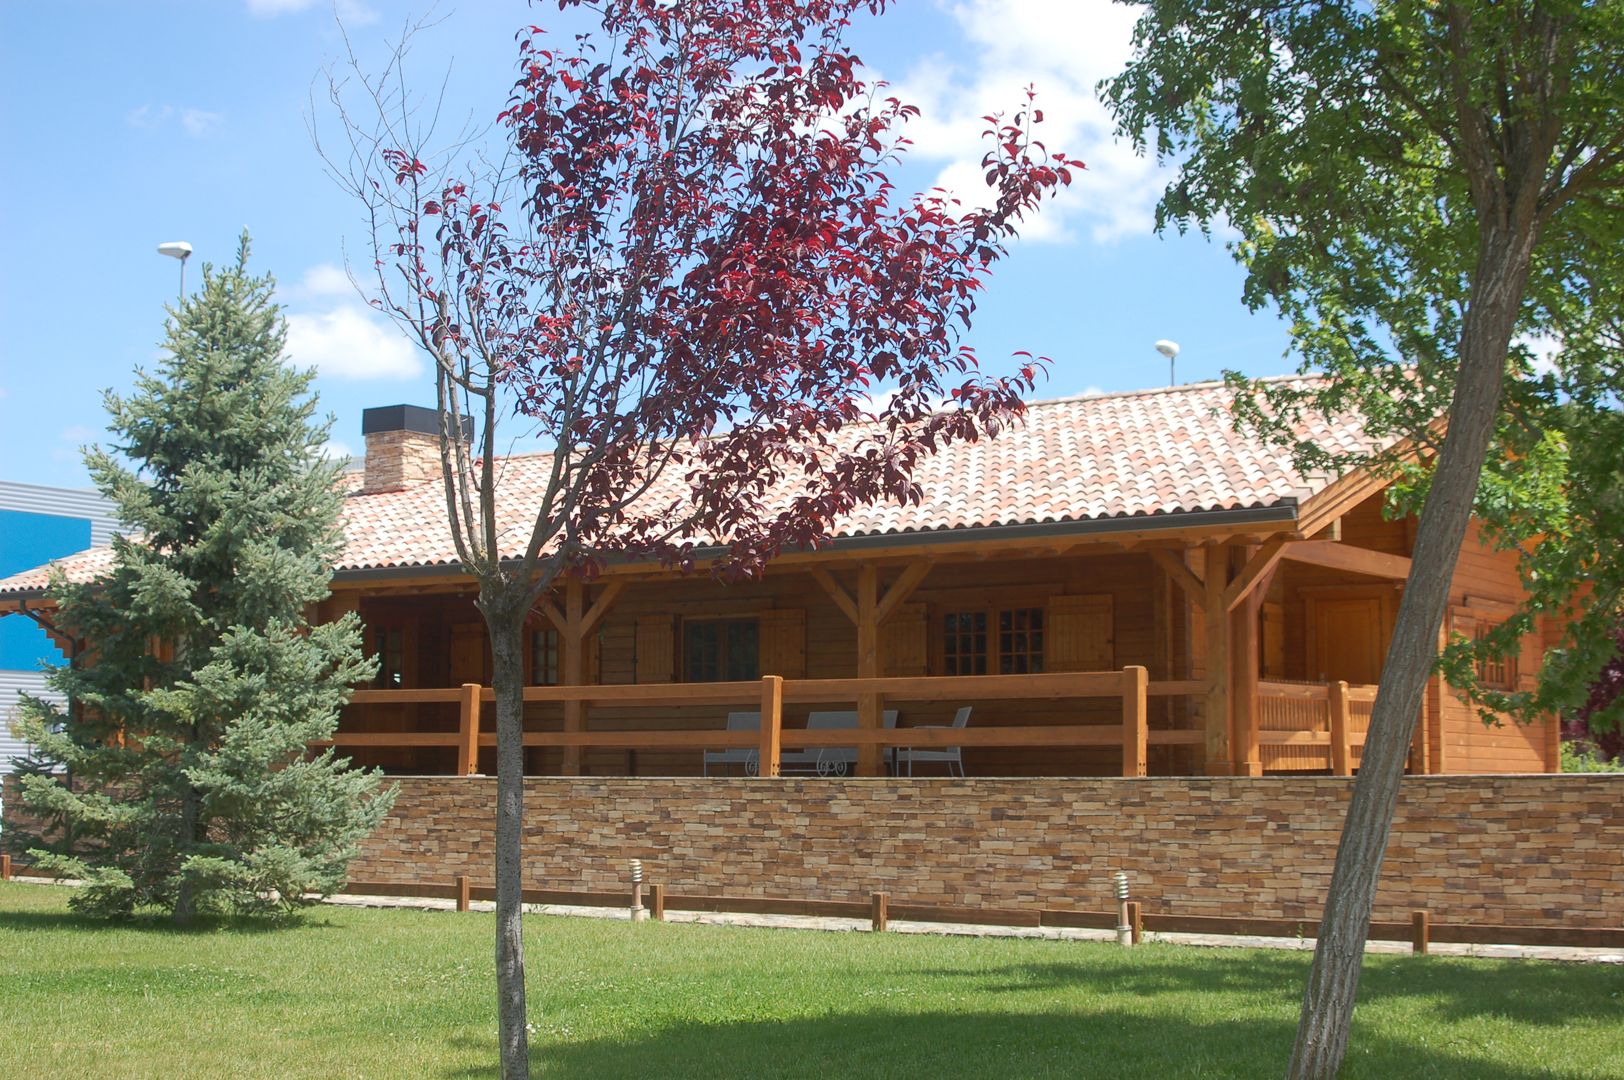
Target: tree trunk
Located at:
point(1333, 981)
point(504, 616)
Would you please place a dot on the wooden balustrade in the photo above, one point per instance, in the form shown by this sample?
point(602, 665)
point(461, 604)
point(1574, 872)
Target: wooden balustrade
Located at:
point(1313, 725)
point(769, 695)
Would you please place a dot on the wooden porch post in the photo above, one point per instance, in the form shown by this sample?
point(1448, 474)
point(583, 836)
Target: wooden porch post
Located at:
point(468, 730)
point(768, 757)
point(1244, 686)
point(869, 706)
point(867, 611)
point(1135, 729)
point(572, 645)
point(1215, 621)
point(1341, 757)
point(574, 623)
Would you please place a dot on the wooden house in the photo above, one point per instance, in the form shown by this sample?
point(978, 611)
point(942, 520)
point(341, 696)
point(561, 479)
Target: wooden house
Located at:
point(1121, 584)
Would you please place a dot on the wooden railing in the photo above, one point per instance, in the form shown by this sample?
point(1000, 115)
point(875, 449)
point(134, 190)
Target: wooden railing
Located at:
point(1313, 725)
point(769, 695)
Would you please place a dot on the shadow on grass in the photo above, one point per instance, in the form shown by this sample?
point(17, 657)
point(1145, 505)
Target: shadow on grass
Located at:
point(906, 1046)
point(57, 920)
point(1524, 991)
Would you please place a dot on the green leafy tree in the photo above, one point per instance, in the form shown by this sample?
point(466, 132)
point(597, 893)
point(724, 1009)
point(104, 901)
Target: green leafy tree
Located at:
point(1416, 186)
point(204, 684)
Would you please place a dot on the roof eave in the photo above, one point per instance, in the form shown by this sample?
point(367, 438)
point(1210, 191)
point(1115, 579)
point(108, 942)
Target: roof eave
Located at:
point(1282, 513)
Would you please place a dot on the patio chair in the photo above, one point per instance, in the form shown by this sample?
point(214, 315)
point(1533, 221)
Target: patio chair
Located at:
point(830, 760)
point(951, 756)
point(737, 755)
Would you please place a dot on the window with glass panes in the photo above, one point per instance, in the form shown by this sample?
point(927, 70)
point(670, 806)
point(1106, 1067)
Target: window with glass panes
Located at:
point(1494, 672)
point(544, 663)
point(389, 644)
point(721, 650)
point(1003, 641)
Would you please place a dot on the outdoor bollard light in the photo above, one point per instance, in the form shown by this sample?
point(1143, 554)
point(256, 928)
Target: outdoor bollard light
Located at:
point(1119, 882)
point(639, 912)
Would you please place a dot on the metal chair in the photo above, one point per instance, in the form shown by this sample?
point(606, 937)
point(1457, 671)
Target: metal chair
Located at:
point(951, 756)
point(737, 755)
point(829, 760)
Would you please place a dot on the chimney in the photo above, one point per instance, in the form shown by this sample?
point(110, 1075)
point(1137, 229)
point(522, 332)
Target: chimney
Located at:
point(403, 447)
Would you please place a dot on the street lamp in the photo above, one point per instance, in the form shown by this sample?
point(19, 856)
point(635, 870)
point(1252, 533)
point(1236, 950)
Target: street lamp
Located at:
point(1169, 349)
point(178, 249)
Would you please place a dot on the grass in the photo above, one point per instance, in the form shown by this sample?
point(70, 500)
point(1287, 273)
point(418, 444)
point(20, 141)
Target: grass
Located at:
point(388, 993)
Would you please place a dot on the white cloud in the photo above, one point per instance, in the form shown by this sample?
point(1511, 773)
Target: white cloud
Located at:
point(200, 122)
point(335, 450)
point(196, 122)
point(353, 12)
point(323, 281)
point(148, 117)
point(350, 342)
point(1063, 48)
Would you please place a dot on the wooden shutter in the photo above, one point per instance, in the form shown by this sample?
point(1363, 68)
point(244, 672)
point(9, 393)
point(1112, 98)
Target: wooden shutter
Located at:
point(783, 643)
point(1274, 640)
point(592, 667)
point(903, 642)
point(1080, 635)
point(656, 649)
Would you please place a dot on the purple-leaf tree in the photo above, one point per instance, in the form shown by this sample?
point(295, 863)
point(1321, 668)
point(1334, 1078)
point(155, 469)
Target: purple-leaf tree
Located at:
point(682, 265)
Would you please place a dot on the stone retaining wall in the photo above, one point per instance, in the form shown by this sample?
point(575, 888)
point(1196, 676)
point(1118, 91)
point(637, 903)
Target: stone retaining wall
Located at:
point(1486, 849)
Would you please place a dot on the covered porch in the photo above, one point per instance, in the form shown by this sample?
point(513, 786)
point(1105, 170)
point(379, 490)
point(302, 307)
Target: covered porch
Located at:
point(1232, 649)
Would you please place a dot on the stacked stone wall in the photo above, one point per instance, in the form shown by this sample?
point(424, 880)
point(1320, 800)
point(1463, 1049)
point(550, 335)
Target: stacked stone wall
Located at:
point(1488, 849)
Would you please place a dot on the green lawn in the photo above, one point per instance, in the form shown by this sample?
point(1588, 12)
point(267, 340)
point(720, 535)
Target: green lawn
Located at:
point(352, 993)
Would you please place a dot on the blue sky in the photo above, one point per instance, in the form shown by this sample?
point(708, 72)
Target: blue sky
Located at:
point(131, 124)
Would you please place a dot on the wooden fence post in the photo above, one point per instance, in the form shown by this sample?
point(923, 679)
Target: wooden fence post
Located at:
point(1420, 932)
point(1136, 920)
point(772, 726)
point(1135, 731)
point(465, 892)
point(5, 867)
point(656, 902)
point(1341, 755)
point(879, 914)
point(468, 730)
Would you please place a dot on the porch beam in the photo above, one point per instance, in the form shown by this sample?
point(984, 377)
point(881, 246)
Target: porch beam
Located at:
point(600, 606)
point(837, 592)
point(1180, 573)
point(554, 616)
point(1259, 566)
point(902, 588)
point(1338, 556)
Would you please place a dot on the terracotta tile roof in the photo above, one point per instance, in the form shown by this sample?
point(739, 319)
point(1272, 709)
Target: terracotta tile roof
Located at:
point(1146, 454)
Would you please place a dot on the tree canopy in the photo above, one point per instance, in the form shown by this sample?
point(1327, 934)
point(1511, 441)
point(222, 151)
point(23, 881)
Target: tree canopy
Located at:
point(1416, 187)
point(199, 684)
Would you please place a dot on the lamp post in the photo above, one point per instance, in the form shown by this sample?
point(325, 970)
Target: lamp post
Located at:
point(1169, 349)
point(178, 249)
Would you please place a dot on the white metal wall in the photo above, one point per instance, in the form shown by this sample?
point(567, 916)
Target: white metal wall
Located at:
point(12, 683)
point(62, 502)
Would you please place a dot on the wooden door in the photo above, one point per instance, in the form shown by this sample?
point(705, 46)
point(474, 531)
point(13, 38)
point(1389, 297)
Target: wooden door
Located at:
point(466, 659)
point(1349, 639)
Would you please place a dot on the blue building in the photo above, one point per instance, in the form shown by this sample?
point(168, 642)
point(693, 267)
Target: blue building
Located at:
point(38, 524)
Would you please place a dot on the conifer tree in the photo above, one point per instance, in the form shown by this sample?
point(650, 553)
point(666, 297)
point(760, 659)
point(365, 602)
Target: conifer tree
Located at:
point(204, 683)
